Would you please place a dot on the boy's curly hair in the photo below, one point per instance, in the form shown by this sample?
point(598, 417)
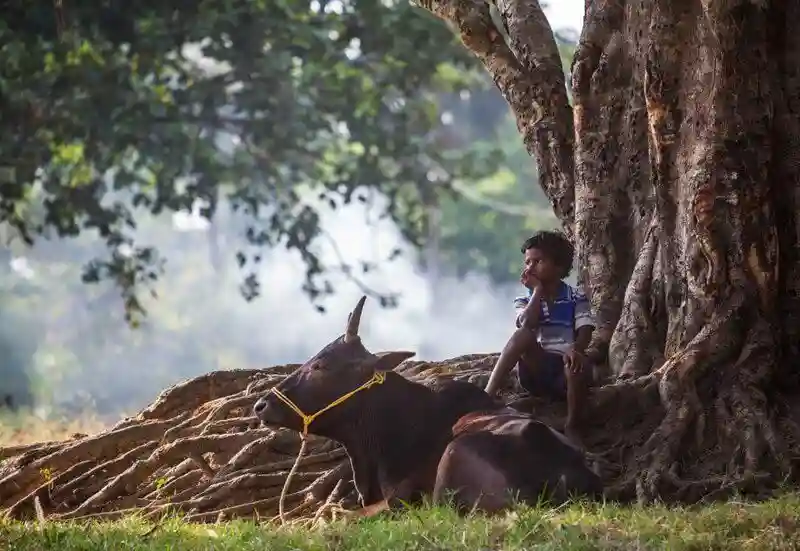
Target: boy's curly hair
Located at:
point(553, 245)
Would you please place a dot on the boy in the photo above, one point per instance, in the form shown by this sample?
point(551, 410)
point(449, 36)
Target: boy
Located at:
point(554, 327)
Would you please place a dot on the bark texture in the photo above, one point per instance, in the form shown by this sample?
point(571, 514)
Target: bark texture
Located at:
point(681, 156)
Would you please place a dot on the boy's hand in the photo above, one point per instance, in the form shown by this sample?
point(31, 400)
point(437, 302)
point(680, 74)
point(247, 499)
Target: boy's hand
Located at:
point(528, 280)
point(574, 360)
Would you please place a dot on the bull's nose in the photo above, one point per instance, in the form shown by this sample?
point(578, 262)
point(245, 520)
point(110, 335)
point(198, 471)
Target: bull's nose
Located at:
point(260, 406)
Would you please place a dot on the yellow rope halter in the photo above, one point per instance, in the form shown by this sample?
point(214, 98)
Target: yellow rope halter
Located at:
point(377, 379)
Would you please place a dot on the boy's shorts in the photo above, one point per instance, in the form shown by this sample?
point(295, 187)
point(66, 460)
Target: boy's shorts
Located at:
point(546, 378)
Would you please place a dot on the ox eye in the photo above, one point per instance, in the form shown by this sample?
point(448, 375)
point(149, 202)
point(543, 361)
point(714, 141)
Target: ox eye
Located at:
point(316, 366)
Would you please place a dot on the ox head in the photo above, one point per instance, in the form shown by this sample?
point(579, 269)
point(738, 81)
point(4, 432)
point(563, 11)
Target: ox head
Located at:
point(330, 387)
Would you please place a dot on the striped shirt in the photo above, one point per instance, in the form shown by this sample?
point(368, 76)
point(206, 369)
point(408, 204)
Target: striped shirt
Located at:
point(559, 321)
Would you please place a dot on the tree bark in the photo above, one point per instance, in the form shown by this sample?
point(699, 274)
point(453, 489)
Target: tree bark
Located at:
point(681, 159)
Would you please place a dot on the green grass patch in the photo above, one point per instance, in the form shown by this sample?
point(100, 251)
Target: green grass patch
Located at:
point(773, 524)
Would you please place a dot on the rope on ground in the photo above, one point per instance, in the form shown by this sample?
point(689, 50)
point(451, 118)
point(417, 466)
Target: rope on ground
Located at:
point(285, 490)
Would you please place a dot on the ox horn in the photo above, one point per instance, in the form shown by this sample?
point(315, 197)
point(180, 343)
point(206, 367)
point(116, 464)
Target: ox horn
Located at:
point(353, 321)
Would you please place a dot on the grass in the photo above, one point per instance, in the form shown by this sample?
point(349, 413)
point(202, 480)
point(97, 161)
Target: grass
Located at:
point(23, 428)
point(773, 524)
point(769, 525)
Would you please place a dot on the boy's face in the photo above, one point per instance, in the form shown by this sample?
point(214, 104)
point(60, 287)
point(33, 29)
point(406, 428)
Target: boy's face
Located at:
point(541, 267)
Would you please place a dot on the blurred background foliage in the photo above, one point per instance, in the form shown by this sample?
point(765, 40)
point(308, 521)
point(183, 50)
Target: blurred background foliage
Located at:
point(121, 119)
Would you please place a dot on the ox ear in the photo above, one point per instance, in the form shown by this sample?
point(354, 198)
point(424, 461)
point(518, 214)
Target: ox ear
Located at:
point(386, 361)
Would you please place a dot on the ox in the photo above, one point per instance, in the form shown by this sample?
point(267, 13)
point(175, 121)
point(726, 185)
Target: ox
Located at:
point(407, 441)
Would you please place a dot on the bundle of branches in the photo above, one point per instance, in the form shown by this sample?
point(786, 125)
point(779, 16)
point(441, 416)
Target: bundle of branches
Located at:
point(197, 450)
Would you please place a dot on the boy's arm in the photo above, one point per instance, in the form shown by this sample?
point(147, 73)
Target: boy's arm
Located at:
point(584, 321)
point(519, 307)
point(583, 337)
point(529, 317)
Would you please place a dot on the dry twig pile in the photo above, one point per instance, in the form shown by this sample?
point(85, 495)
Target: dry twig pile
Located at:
point(196, 450)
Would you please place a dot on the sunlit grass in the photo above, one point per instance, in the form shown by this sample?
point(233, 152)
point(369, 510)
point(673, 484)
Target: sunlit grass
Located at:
point(26, 428)
point(768, 525)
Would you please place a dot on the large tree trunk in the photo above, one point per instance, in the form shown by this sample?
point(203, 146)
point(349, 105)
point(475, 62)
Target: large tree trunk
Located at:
point(676, 172)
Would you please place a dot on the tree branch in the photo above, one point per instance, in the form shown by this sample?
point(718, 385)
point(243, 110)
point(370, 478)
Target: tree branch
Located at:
point(529, 75)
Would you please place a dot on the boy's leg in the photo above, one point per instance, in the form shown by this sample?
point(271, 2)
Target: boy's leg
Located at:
point(522, 341)
point(578, 385)
point(540, 372)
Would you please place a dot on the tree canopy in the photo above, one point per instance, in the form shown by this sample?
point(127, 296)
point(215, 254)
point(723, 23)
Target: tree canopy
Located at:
point(118, 108)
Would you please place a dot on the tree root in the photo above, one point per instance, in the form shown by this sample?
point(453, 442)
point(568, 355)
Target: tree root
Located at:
point(218, 465)
point(196, 449)
point(701, 437)
point(634, 342)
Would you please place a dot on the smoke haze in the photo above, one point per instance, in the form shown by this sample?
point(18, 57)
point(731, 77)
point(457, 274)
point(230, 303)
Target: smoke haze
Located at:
point(87, 358)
